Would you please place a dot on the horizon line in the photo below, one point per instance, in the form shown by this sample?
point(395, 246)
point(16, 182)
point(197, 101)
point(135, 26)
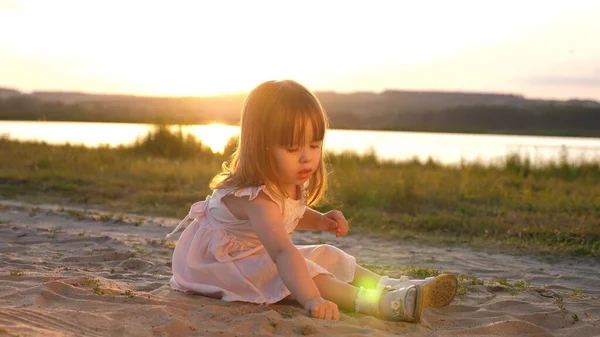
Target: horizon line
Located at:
point(243, 93)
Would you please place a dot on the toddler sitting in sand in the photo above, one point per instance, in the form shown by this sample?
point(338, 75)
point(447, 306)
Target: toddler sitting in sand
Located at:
point(238, 246)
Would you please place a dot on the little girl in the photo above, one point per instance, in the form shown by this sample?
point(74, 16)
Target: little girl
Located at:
point(238, 246)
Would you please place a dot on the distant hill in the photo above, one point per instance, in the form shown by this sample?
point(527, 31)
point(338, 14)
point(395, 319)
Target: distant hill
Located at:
point(4, 93)
point(388, 110)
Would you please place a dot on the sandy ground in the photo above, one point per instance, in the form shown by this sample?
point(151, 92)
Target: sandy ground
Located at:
point(67, 272)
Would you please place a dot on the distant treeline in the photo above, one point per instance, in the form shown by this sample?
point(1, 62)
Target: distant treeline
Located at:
point(390, 110)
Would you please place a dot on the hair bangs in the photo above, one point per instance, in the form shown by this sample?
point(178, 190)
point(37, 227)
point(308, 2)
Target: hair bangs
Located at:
point(289, 130)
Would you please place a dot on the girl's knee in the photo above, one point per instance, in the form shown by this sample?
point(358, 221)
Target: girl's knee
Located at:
point(329, 250)
point(321, 279)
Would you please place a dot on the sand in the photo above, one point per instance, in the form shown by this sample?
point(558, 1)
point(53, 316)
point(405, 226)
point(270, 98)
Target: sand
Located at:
point(76, 272)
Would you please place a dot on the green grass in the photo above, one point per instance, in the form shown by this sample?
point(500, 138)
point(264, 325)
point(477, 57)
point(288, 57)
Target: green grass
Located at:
point(410, 271)
point(516, 206)
point(129, 293)
point(554, 207)
point(95, 285)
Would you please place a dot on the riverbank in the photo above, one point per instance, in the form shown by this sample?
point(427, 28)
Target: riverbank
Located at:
point(514, 206)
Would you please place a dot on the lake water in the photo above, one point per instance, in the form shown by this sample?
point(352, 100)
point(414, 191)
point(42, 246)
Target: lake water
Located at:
point(446, 148)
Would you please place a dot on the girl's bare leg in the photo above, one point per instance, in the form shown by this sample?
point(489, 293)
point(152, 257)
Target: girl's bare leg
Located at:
point(336, 291)
point(365, 278)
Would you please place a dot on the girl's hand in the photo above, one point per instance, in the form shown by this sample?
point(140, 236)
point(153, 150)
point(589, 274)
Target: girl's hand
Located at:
point(335, 222)
point(319, 307)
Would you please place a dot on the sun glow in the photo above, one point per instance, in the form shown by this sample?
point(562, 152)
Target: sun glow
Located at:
point(215, 136)
point(186, 48)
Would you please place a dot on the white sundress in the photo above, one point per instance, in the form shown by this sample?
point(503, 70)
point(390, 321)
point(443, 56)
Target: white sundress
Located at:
point(221, 256)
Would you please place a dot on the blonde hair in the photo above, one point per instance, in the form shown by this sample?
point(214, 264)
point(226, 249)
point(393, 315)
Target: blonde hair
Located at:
point(275, 113)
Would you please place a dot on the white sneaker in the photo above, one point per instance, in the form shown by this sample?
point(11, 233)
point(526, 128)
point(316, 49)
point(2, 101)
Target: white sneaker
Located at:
point(438, 291)
point(404, 304)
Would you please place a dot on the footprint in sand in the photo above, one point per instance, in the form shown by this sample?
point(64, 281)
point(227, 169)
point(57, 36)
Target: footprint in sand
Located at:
point(136, 264)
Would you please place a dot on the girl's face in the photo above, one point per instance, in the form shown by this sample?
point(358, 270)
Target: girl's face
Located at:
point(296, 164)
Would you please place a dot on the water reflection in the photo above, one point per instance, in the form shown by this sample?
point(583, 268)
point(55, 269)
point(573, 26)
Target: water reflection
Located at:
point(215, 136)
point(445, 148)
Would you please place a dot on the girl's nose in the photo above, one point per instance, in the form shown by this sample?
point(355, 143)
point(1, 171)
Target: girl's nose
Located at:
point(305, 156)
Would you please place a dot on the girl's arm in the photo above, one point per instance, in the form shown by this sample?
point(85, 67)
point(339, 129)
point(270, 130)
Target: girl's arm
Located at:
point(267, 221)
point(332, 221)
point(312, 220)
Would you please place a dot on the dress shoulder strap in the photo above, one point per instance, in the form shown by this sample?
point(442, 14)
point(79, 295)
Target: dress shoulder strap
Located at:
point(253, 191)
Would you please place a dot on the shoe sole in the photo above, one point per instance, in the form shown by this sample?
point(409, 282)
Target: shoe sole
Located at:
point(440, 291)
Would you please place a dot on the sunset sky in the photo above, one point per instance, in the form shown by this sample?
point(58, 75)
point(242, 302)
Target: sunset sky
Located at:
point(535, 48)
